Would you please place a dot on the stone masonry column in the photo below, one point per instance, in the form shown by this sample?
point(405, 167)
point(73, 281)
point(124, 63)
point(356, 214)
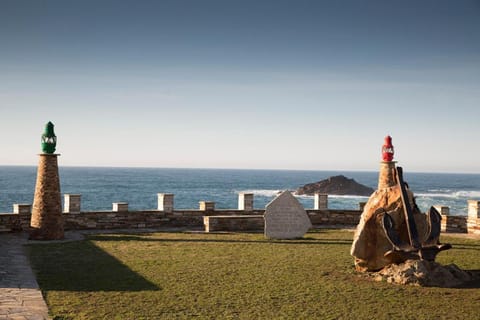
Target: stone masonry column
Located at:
point(473, 218)
point(47, 221)
point(473, 209)
point(208, 206)
point(320, 201)
point(386, 176)
point(245, 201)
point(72, 203)
point(165, 202)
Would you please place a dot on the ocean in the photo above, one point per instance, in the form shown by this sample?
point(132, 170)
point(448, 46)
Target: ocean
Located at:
point(100, 187)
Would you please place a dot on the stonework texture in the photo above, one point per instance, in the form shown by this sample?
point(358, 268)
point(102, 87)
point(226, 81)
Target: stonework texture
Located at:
point(426, 273)
point(207, 205)
point(72, 203)
point(370, 242)
point(245, 201)
point(456, 224)
point(11, 222)
point(165, 202)
point(347, 218)
point(47, 221)
point(386, 176)
point(233, 223)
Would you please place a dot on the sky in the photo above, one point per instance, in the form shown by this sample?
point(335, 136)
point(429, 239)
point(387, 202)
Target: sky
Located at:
point(273, 84)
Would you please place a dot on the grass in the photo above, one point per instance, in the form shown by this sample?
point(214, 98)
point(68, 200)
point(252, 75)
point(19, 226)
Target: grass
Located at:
point(236, 276)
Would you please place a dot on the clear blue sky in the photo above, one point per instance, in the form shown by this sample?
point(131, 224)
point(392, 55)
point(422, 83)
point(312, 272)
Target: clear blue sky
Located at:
point(242, 84)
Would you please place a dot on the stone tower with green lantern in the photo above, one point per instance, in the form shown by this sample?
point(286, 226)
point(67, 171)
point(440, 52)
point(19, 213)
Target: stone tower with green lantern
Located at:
point(47, 221)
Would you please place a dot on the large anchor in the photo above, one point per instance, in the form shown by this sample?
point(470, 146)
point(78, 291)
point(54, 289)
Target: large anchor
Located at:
point(402, 250)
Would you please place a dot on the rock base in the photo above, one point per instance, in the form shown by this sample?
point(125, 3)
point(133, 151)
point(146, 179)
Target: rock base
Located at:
point(427, 274)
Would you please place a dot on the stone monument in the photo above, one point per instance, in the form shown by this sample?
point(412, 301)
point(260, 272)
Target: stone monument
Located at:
point(392, 229)
point(285, 218)
point(47, 221)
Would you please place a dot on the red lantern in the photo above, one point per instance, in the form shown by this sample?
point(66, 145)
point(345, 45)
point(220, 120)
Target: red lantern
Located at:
point(387, 149)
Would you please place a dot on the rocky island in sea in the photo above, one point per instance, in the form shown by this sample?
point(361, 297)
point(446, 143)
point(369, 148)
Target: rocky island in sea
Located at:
point(336, 185)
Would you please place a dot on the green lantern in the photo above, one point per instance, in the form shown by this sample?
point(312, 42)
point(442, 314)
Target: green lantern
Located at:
point(49, 139)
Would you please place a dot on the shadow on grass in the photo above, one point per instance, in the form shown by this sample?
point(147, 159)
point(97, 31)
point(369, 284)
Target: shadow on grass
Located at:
point(266, 241)
point(82, 266)
point(474, 284)
point(463, 246)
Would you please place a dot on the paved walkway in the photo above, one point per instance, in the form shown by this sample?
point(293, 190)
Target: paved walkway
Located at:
point(20, 297)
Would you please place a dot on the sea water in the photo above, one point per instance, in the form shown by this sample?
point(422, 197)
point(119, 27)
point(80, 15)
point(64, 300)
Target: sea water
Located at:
point(100, 187)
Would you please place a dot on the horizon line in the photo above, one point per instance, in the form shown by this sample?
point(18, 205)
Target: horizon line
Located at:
point(239, 169)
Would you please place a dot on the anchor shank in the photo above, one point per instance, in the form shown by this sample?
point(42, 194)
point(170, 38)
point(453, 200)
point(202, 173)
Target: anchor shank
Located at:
point(407, 210)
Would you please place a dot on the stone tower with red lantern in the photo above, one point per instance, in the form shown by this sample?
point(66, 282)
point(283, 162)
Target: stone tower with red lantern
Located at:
point(392, 229)
point(47, 221)
point(386, 177)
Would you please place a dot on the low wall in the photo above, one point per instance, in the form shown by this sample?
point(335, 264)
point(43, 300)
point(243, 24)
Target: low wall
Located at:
point(121, 218)
point(457, 224)
point(473, 225)
point(192, 219)
point(234, 223)
point(242, 222)
point(334, 217)
point(14, 222)
point(127, 220)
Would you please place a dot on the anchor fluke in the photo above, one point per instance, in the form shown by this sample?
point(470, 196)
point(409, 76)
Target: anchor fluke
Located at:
point(426, 249)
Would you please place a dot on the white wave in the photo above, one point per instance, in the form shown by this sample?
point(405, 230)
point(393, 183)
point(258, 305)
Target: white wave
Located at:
point(303, 196)
point(451, 195)
point(441, 190)
point(347, 196)
point(263, 192)
point(272, 193)
point(436, 195)
point(468, 194)
point(333, 196)
point(461, 194)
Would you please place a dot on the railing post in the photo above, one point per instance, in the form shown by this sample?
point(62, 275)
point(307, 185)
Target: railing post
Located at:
point(444, 212)
point(165, 202)
point(320, 201)
point(120, 206)
point(71, 203)
point(245, 201)
point(21, 208)
point(473, 216)
point(207, 205)
point(361, 205)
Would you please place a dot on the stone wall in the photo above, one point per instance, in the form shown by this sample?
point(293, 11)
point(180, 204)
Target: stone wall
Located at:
point(473, 219)
point(239, 220)
point(192, 219)
point(15, 222)
point(114, 220)
point(348, 218)
point(457, 224)
point(234, 223)
point(473, 225)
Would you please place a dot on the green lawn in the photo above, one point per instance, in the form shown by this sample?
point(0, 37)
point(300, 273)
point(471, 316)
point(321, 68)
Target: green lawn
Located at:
point(236, 276)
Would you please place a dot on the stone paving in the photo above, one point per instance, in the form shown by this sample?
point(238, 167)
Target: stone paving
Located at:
point(20, 296)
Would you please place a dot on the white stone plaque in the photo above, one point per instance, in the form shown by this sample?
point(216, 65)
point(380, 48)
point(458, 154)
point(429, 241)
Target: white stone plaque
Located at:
point(285, 218)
